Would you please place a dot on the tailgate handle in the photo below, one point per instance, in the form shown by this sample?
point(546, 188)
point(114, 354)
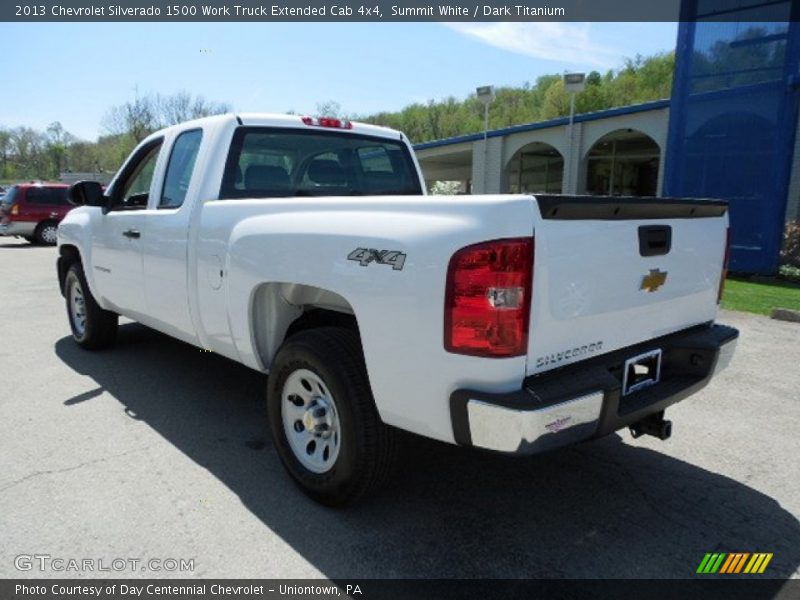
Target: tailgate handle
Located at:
point(655, 240)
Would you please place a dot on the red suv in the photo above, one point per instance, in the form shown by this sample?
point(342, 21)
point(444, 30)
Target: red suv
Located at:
point(34, 210)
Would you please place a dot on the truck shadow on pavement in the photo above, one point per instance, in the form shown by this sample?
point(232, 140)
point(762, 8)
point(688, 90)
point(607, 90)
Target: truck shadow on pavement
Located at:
point(601, 509)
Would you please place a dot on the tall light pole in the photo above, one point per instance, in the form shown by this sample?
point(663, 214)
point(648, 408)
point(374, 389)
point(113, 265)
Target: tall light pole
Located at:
point(573, 83)
point(486, 95)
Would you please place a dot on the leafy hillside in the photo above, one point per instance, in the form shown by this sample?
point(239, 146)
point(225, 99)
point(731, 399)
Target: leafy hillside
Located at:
point(639, 80)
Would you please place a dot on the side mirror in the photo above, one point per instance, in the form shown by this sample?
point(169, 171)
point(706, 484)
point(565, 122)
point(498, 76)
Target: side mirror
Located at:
point(87, 193)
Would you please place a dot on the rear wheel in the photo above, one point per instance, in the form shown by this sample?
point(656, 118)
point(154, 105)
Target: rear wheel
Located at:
point(323, 418)
point(45, 233)
point(92, 327)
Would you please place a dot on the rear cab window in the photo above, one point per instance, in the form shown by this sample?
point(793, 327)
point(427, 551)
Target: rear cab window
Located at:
point(266, 162)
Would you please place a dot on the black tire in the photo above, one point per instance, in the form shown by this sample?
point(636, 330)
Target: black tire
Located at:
point(366, 446)
point(99, 328)
point(45, 233)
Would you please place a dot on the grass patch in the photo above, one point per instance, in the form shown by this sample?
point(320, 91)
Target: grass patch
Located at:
point(760, 296)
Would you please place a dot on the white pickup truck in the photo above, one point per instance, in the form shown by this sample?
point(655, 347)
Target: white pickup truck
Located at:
point(307, 249)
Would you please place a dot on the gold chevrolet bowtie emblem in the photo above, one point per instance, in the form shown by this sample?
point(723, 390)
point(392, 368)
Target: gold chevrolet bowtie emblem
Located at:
point(653, 280)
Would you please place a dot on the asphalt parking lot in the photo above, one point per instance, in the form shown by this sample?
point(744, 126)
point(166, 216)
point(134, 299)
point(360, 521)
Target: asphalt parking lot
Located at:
point(155, 449)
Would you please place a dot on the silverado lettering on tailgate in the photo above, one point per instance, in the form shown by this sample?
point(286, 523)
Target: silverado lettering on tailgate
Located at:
point(550, 359)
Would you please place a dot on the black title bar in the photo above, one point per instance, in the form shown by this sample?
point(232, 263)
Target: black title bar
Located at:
point(708, 588)
point(371, 11)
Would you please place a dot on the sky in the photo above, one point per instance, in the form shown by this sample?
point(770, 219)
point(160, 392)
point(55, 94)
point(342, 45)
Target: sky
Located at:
point(75, 72)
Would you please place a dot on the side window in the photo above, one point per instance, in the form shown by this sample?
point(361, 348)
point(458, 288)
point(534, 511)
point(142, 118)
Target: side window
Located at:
point(36, 195)
point(47, 195)
point(133, 190)
point(179, 169)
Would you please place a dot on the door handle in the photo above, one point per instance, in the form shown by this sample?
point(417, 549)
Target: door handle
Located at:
point(132, 233)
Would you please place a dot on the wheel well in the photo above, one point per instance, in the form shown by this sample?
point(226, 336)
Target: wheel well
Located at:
point(279, 310)
point(313, 317)
point(67, 256)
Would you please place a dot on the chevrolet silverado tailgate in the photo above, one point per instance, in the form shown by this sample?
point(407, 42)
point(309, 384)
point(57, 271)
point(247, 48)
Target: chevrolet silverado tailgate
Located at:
point(612, 272)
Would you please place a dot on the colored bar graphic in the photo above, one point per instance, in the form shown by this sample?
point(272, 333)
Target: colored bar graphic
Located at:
point(734, 562)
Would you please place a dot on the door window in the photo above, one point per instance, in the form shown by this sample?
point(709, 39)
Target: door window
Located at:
point(179, 169)
point(134, 187)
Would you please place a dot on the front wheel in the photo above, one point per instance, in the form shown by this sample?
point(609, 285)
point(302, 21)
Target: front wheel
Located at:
point(323, 418)
point(92, 327)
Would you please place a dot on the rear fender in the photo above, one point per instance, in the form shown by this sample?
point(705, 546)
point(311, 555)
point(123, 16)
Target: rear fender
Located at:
point(275, 306)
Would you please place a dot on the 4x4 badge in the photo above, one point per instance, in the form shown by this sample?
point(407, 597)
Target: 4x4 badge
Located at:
point(653, 280)
point(364, 256)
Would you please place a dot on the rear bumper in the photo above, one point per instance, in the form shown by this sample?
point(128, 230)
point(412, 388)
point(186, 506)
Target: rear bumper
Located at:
point(25, 228)
point(584, 400)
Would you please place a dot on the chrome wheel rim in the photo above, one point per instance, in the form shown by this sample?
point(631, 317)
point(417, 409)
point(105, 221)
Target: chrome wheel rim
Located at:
point(310, 420)
point(77, 308)
point(49, 234)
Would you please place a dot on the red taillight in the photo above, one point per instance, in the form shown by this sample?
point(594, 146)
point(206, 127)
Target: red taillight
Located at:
point(327, 122)
point(488, 298)
point(725, 259)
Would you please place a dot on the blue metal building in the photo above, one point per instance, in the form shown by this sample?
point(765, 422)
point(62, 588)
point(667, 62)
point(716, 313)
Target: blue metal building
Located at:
point(734, 118)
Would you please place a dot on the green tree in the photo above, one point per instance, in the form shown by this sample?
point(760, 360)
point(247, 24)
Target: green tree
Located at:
point(57, 143)
point(556, 101)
